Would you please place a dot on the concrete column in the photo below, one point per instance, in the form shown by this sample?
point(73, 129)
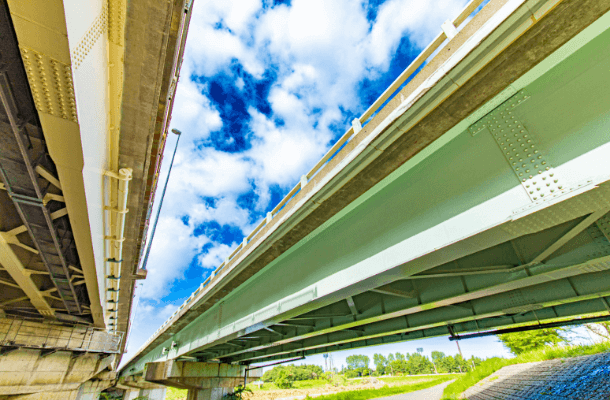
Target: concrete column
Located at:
point(153, 394)
point(149, 394)
point(208, 394)
point(131, 394)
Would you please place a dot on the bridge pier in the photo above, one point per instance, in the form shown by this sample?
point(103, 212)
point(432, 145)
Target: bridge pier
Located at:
point(204, 380)
point(150, 394)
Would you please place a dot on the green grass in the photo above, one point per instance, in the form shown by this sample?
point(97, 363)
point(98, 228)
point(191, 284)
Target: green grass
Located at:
point(384, 391)
point(308, 384)
point(491, 365)
point(175, 394)
point(318, 383)
point(407, 379)
point(408, 386)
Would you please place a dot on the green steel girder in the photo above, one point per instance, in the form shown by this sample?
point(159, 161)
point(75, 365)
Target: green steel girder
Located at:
point(567, 307)
point(473, 294)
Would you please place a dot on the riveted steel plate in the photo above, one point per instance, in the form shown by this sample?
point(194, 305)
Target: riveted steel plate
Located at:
point(520, 149)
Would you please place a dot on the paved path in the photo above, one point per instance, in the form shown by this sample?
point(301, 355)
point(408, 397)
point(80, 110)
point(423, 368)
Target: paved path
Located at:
point(433, 393)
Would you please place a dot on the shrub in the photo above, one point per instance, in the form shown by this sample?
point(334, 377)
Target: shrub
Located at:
point(284, 380)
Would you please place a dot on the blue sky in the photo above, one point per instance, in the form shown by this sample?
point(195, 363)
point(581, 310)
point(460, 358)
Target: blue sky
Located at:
point(266, 88)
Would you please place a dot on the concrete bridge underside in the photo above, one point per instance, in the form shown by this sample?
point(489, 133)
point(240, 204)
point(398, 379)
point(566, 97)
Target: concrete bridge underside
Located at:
point(479, 203)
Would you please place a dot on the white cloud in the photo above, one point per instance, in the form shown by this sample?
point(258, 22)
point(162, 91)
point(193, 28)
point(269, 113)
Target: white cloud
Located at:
point(174, 248)
point(215, 256)
point(147, 319)
point(281, 155)
point(192, 111)
point(219, 31)
point(421, 20)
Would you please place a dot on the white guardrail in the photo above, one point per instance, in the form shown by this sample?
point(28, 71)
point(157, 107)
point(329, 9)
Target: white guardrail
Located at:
point(449, 30)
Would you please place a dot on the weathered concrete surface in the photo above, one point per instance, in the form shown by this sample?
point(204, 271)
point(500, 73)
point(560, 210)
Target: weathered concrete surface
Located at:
point(549, 33)
point(151, 394)
point(87, 391)
point(152, 36)
point(586, 377)
point(26, 371)
point(194, 375)
point(208, 394)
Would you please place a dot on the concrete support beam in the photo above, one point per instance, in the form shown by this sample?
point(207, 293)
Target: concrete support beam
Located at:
point(28, 372)
point(194, 375)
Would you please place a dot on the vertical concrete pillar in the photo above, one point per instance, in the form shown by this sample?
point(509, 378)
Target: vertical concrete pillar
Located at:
point(131, 394)
point(153, 394)
point(208, 394)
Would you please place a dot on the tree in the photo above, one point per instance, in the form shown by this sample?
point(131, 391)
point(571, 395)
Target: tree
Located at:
point(418, 364)
point(357, 361)
point(380, 362)
point(299, 372)
point(284, 380)
point(522, 342)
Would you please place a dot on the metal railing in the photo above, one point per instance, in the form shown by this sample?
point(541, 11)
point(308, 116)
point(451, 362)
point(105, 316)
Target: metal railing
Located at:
point(449, 30)
point(23, 333)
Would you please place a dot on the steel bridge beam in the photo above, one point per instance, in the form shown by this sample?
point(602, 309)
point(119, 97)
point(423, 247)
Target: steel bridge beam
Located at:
point(21, 181)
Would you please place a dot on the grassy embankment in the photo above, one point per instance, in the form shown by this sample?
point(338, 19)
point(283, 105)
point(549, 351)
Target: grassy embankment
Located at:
point(491, 365)
point(319, 383)
point(403, 384)
point(386, 390)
